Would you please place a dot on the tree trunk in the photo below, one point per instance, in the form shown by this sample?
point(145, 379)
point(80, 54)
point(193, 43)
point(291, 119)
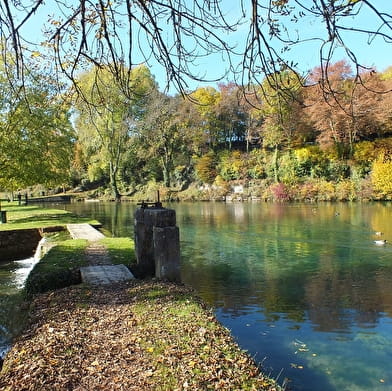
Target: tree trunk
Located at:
point(113, 182)
point(276, 166)
point(166, 173)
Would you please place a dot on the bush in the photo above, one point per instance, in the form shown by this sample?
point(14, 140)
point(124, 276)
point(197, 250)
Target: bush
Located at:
point(288, 169)
point(381, 177)
point(232, 166)
point(255, 164)
point(280, 192)
point(206, 168)
point(345, 191)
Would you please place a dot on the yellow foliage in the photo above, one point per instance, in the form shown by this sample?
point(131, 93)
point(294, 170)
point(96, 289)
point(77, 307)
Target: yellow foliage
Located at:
point(381, 176)
point(302, 154)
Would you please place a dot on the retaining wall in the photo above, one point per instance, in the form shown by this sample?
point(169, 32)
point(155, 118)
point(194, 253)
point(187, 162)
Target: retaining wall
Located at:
point(18, 244)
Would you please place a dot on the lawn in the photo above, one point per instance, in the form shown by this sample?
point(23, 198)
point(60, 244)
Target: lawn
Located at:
point(33, 216)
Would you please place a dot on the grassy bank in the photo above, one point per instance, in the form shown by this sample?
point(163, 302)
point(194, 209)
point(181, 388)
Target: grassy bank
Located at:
point(60, 266)
point(32, 216)
point(142, 335)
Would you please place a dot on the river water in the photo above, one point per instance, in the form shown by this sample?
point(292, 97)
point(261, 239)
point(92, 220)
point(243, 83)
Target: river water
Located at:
point(302, 287)
point(12, 309)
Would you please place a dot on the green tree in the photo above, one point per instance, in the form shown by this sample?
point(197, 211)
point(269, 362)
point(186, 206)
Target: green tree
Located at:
point(36, 135)
point(281, 110)
point(160, 132)
point(106, 123)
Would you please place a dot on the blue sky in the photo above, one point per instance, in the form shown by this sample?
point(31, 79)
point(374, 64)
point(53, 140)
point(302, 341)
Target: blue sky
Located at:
point(370, 51)
point(375, 53)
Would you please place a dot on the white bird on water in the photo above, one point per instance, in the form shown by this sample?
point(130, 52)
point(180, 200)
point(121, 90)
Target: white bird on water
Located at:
point(380, 242)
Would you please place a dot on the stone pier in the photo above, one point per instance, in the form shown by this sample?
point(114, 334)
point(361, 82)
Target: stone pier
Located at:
point(157, 243)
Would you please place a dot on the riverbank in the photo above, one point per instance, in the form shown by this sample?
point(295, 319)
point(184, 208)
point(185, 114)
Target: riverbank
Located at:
point(34, 217)
point(139, 335)
point(312, 190)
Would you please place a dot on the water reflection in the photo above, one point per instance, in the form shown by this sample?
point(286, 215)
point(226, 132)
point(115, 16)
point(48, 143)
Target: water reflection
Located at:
point(302, 287)
point(284, 273)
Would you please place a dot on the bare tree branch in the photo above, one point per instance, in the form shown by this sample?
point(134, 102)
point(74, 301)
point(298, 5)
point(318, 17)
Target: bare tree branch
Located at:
point(180, 34)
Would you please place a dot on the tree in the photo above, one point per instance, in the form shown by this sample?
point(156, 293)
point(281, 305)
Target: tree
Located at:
point(381, 176)
point(160, 133)
point(36, 135)
point(352, 111)
point(281, 111)
point(206, 99)
point(105, 124)
point(230, 113)
point(177, 34)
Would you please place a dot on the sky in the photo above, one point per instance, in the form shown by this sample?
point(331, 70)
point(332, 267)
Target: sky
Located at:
point(370, 52)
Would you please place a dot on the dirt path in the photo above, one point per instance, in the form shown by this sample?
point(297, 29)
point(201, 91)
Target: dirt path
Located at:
point(97, 254)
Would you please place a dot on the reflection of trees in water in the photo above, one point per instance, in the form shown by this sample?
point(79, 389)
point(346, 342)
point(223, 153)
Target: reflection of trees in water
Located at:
point(296, 261)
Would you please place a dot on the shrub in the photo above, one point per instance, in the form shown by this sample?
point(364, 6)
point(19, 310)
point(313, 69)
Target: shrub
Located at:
point(232, 165)
point(206, 168)
point(345, 191)
point(288, 168)
point(255, 164)
point(326, 190)
point(280, 192)
point(381, 176)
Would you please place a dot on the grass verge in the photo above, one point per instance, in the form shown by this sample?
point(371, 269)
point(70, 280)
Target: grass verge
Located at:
point(60, 266)
point(32, 216)
point(121, 250)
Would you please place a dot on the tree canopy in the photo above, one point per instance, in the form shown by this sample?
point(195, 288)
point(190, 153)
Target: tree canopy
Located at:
point(105, 126)
point(36, 136)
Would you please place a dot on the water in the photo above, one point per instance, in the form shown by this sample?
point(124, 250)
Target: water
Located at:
point(302, 287)
point(12, 309)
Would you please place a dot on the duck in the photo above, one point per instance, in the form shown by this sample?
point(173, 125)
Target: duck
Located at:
point(378, 233)
point(380, 242)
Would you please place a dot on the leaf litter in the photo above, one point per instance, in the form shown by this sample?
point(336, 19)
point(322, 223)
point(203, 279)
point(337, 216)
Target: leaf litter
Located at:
point(138, 335)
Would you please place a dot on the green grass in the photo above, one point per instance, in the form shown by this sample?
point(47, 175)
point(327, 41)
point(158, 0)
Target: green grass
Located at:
point(121, 250)
point(58, 268)
point(32, 216)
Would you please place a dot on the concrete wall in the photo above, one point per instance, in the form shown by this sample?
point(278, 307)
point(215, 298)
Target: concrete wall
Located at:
point(18, 244)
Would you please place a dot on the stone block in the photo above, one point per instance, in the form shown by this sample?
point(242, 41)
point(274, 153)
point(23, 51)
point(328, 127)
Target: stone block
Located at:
point(147, 253)
point(167, 253)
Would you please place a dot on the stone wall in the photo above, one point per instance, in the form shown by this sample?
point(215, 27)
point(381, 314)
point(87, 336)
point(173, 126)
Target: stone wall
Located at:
point(18, 244)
